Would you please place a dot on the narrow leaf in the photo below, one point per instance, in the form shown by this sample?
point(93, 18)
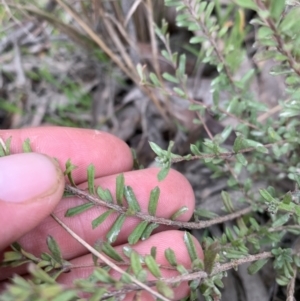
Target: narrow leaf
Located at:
point(26, 146)
point(40, 274)
point(54, 249)
point(78, 209)
point(227, 201)
point(111, 252)
point(163, 173)
point(256, 266)
point(120, 189)
point(171, 257)
point(135, 263)
point(100, 219)
point(210, 256)
point(170, 78)
point(152, 266)
point(137, 233)
point(104, 194)
point(154, 196)
point(91, 178)
point(266, 195)
point(189, 243)
point(195, 150)
point(241, 158)
point(179, 212)
point(68, 172)
point(5, 147)
point(103, 276)
point(115, 229)
point(158, 151)
point(281, 220)
point(149, 230)
point(131, 199)
point(164, 289)
point(153, 252)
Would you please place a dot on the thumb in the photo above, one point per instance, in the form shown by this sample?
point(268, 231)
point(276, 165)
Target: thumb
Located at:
point(31, 185)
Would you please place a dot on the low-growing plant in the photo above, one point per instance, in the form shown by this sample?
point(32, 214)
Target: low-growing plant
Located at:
point(266, 147)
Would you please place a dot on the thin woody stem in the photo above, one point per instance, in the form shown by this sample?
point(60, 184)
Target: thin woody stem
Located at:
point(158, 220)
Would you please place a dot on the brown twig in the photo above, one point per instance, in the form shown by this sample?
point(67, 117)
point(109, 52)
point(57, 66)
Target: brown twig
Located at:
point(154, 219)
point(291, 286)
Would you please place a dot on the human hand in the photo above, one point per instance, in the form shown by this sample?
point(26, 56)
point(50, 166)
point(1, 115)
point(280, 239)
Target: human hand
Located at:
point(31, 187)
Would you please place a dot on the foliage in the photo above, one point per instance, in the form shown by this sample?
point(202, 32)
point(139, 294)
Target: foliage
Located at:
point(263, 145)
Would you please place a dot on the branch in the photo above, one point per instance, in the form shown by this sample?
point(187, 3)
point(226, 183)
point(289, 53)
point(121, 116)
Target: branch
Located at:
point(153, 219)
point(280, 43)
point(226, 155)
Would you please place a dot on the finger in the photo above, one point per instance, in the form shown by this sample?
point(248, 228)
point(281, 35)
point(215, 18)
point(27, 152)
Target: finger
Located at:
point(109, 154)
point(162, 241)
point(31, 185)
point(175, 193)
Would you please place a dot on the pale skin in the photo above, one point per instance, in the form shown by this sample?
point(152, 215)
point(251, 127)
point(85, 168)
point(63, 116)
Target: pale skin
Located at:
point(25, 206)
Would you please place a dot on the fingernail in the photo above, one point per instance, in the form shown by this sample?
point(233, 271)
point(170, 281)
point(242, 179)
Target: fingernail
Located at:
point(24, 177)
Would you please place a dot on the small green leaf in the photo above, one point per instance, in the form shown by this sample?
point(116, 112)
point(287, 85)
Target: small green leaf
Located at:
point(91, 178)
point(78, 209)
point(26, 146)
point(170, 78)
point(190, 245)
point(281, 220)
point(256, 266)
point(182, 64)
point(241, 158)
point(115, 229)
point(197, 40)
point(227, 201)
point(153, 252)
point(250, 4)
point(239, 143)
point(100, 219)
point(266, 195)
point(149, 230)
point(157, 150)
point(12, 256)
point(137, 233)
point(103, 276)
point(135, 263)
point(195, 150)
point(68, 172)
point(140, 71)
point(54, 249)
point(40, 274)
point(201, 212)
point(131, 199)
point(111, 252)
point(171, 257)
point(154, 79)
point(179, 212)
point(5, 147)
point(210, 256)
point(179, 92)
point(163, 173)
point(164, 289)
point(104, 194)
point(153, 201)
point(120, 189)
point(273, 135)
point(152, 266)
